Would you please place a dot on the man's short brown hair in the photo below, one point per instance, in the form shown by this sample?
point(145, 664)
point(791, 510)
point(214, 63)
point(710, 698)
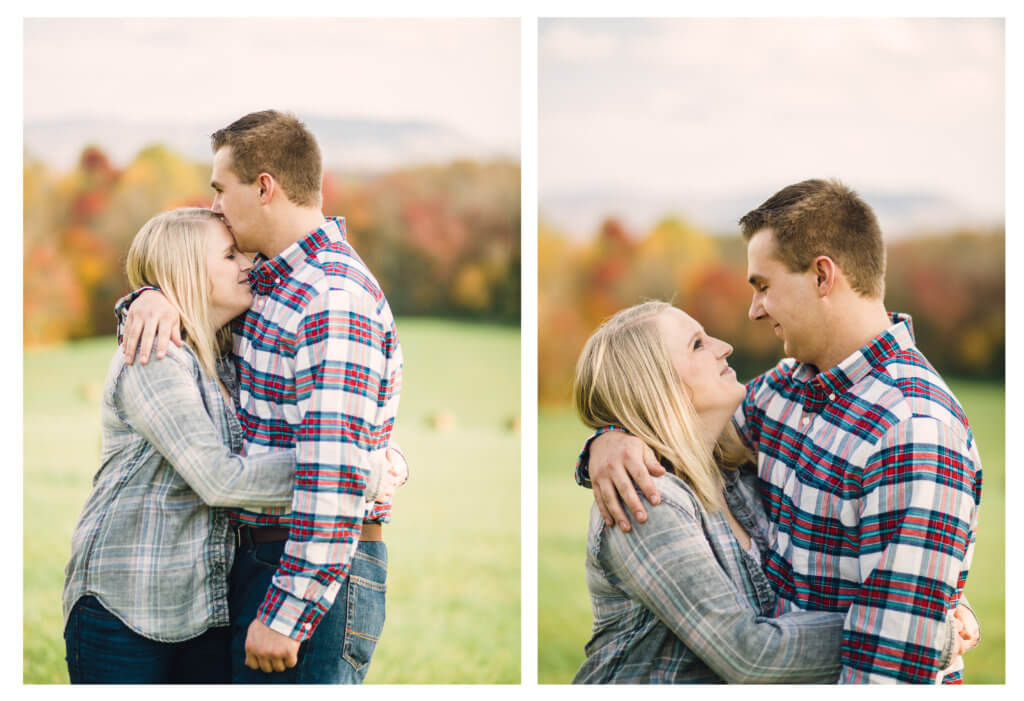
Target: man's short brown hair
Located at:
point(279, 144)
point(824, 218)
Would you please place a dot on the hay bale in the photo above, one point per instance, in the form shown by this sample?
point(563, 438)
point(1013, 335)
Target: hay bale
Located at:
point(442, 420)
point(90, 392)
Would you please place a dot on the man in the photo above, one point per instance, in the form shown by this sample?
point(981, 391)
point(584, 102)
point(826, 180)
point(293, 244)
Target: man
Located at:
point(868, 469)
point(319, 368)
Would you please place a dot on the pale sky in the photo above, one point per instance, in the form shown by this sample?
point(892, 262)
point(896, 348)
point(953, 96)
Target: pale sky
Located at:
point(463, 73)
point(703, 107)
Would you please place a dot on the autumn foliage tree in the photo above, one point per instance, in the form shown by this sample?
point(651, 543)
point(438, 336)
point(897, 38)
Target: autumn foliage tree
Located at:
point(952, 285)
point(442, 240)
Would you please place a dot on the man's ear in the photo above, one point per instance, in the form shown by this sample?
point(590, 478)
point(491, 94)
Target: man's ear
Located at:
point(826, 272)
point(267, 187)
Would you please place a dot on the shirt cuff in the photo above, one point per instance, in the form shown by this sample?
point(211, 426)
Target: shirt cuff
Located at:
point(379, 513)
point(289, 615)
point(121, 309)
point(583, 462)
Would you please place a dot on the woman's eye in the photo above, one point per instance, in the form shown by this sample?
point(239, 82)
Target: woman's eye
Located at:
point(698, 344)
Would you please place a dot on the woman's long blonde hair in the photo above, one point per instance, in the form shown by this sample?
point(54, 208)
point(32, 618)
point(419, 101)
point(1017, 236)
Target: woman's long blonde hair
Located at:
point(625, 377)
point(170, 252)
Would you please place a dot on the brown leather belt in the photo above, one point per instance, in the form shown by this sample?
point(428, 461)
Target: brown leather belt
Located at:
point(257, 535)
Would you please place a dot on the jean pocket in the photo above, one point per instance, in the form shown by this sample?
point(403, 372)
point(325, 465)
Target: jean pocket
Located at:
point(365, 619)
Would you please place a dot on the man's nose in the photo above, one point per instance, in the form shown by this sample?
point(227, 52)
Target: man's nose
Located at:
point(215, 207)
point(756, 311)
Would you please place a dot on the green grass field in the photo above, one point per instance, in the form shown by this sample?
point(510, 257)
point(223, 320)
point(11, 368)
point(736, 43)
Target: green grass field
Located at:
point(564, 617)
point(454, 579)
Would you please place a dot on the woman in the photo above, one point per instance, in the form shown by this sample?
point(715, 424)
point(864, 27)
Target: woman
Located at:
point(145, 595)
point(682, 598)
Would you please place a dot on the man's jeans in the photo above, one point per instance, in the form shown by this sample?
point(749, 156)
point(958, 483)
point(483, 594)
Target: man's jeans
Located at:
point(340, 648)
point(103, 650)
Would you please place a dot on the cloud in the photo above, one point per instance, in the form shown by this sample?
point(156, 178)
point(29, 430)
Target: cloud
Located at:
point(462, 72)
point(580, 42)
point(719, 105)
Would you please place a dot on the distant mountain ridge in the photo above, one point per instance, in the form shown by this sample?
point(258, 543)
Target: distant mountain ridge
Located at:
point(347, 143)
point(579, 213)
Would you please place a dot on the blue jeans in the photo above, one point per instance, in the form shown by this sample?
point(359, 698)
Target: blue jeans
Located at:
point(340, 648)
point(103, 650)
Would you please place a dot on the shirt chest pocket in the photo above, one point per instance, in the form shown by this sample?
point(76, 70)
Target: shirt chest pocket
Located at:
point(268, 337)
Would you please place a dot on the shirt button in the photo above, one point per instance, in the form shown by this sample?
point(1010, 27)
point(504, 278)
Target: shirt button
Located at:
point(807, 420)
point(832, 397)
point(277, 281)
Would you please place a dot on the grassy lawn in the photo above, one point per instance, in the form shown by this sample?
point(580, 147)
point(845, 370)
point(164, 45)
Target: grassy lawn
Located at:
point(454, 580)
point(564, 617)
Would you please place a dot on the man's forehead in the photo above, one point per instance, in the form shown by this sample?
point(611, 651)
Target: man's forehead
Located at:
point(222, 158)
point(761, 249)
point(222, 171)
point(762, 242)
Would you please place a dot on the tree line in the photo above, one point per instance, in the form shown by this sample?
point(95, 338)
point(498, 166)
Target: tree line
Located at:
point(952, 284)
point(442, 240)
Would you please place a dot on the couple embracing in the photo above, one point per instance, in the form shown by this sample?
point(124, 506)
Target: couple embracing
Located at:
point(234, 529)
point(814, 525)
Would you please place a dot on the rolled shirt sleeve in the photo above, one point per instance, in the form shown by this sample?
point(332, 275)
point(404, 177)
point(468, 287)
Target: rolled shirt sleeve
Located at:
point(342, 389)
point(917, 519)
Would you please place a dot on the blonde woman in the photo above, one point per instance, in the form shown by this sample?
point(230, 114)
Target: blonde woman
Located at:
point(146, 589)
point(681, 598)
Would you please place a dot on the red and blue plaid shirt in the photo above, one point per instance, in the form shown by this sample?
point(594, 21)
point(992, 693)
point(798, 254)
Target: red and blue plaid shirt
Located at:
point(871, 475)
point(871, 479)
point(320, 370)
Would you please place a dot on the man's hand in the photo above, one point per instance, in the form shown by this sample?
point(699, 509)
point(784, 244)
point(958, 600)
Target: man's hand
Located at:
point(970, 631)
point(268, 650)
point(150, 317)
point(617, 461)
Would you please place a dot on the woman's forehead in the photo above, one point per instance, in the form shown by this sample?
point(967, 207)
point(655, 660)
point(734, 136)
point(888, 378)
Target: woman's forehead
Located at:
point(677, 323)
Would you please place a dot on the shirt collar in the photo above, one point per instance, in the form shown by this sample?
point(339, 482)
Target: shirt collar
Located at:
point(895, 339)
point(273, 271)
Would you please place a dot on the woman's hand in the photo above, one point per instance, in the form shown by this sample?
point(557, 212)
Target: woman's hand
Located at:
point(395, 476)
point(969, 631)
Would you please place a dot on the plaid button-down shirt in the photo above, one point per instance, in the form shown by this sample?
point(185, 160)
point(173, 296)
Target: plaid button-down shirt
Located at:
point(320, 370)
point(676, 600)
point(871, 477)
point(152, 543)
